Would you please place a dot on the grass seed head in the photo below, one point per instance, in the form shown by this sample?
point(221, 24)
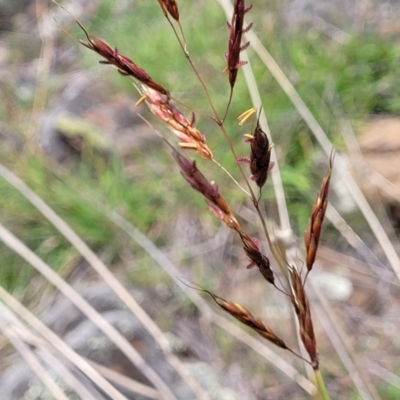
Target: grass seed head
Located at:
point(235, 40)
point(170, 7)
point(313, 231)
point(243, 315)
point(210, 192)
point(190, 136)
point(260, 156)
point(302, 309)
point(124, 64)
point(252, 249)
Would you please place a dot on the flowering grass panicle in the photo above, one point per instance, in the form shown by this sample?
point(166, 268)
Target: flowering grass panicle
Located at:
point(289, 281)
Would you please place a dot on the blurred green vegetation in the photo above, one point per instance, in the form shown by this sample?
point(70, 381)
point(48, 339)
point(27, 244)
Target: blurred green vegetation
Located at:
point(389, 392)
point(352, 80)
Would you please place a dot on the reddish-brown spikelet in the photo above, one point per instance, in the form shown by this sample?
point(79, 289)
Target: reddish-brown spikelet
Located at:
point(260, 156)
point(256, 257)
point(170, 6)
point(186, 131)
point(243, 315)
point(124, 65)
point(302, 309)
point(313, 231)
point(198, 182)
point(235, 40)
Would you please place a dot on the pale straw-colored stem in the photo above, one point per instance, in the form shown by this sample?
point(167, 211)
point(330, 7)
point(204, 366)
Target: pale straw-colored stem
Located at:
point(55, 363)
point(125, 382)
point(45, 25)
point(109, 330)
point(80, 387)
point(107, 276)
point(29, 357)
point(59, 345)
point(342, 345)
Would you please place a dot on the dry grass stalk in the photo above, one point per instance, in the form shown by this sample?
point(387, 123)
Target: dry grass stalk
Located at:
point(10, 328)
point(313, 231)
point(59, 345)
point(106, 327)
point(107, 276)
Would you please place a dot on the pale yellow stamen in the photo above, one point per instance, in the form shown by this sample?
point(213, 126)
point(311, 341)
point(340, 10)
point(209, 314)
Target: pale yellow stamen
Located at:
point(185, 145)
point(244, 117)
point(141, 100)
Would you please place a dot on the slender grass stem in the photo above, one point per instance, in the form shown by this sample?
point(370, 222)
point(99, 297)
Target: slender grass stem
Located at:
point(187, 55)
point(231, 176)
point(217, 119)
point(228, 105)
point(322, 391)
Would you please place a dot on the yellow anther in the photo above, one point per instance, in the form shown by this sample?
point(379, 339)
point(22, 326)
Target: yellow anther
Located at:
point(244, 117)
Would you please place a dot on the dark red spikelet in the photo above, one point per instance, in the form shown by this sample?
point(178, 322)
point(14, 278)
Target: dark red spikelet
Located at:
point(199, 182)
point(252, 249)
point(303, 312)
point(235, 40)
point(260, 156)
point(170, 6)
point(313, 231)
point(124, 65)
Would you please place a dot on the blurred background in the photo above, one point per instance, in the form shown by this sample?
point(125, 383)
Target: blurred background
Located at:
point(70, 131)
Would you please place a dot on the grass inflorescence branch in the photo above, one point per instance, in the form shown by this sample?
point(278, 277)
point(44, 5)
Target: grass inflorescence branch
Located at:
point(164, 106)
